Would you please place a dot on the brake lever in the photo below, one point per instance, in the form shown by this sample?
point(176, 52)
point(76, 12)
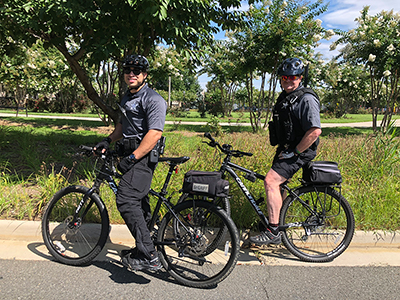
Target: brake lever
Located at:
point(208, 135)
point(247, 153)
point(211, 144)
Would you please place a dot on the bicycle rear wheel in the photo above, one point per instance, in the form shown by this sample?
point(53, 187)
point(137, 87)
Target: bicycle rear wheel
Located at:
point(184, 252)
point(320, 227)
point(75, 242)
point(222, 202)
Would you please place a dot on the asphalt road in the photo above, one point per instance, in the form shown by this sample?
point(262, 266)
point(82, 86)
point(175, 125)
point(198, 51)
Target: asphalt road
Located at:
point(368, 269)
point(105, 280)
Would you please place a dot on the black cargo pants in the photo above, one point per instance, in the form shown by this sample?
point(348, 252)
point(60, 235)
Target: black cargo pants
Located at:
point(133, 203)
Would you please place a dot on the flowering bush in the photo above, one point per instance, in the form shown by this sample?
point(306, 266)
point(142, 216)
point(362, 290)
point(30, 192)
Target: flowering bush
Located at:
point(375, 45)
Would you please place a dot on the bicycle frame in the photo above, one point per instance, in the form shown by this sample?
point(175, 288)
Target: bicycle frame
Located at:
point(107, 173)
point(229, 167)
point(322, 202)
point(314, 201)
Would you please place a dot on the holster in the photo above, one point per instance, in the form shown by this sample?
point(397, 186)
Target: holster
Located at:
point(273, 139)
point(157, 150)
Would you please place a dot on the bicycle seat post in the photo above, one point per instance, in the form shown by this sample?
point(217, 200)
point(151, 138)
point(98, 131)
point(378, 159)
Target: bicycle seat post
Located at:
point(171, 169)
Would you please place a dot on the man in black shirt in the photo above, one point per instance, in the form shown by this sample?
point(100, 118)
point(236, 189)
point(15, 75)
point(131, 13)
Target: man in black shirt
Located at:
point(141, 127)
point(295, 129)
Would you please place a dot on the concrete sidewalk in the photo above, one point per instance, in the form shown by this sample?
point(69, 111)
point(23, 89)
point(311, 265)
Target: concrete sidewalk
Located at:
point(323, 125)
point(22, 240)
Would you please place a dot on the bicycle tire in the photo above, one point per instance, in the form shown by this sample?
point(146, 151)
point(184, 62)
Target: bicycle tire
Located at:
point(222, 202)
point(183, 253)
point(320, 236)
point(79, 243)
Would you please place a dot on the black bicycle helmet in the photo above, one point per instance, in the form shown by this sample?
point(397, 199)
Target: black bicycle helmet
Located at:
point(136, 61)
point(291, 66)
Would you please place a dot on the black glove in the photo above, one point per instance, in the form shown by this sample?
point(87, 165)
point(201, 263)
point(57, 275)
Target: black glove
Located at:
point(125, 164)
point(104, 144)
point(286, 154)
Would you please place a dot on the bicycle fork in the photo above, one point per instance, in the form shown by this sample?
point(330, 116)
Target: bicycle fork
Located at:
point(80, 216)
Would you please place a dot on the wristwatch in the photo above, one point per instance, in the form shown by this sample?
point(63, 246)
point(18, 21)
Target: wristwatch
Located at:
point(133, 158)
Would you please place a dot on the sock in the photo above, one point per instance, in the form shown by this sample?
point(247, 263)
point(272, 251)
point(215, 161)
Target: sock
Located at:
point(274, 228)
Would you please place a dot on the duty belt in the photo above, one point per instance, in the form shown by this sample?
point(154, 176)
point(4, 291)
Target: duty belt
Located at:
point(131, 144)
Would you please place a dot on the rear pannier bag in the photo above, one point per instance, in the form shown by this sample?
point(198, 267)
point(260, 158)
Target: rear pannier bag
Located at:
point(322, 172)
point(205, 183)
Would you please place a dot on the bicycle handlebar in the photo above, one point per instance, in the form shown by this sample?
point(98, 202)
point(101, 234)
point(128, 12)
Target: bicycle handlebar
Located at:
point(225, 148)
point(88, 151)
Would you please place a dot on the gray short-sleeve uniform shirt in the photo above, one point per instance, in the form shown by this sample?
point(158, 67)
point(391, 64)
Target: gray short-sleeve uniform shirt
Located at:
point(146, 110)
point(307, 111)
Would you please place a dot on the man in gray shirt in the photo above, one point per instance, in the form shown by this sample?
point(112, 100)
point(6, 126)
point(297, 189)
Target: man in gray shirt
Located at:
point(296, 128)
point(141, 128)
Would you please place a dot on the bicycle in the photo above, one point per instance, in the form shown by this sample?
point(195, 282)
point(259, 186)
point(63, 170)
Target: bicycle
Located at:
point(75, 227)
point(316, 221)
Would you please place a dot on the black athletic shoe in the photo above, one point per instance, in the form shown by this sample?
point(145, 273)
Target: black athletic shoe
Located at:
point(266, 238)
point(133, 252)
point(141, 263)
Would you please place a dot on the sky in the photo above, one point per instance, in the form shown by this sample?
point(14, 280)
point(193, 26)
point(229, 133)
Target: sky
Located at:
point(340, 15)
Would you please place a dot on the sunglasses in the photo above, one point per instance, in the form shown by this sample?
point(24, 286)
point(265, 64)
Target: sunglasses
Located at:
point(135, 71)
point(290, 77)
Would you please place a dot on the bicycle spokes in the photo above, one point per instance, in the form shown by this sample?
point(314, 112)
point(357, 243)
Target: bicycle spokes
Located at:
point(75, 231)
point(194, 248)
point(318, 224)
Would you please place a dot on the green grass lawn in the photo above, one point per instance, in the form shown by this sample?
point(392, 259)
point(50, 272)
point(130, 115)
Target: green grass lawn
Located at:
point(38, 156)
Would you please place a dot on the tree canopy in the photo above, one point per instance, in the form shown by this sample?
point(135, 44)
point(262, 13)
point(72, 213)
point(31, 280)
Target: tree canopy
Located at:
point(90, 32)
point(276, 30)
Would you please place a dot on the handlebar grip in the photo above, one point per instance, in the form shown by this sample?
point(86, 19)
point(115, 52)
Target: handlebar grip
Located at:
point(208, 135)
point(86, 148)
point(247, 153)
point(88, 151)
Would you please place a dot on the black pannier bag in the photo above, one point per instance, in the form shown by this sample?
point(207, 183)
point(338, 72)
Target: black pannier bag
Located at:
point(205, 183)
point(322, 172)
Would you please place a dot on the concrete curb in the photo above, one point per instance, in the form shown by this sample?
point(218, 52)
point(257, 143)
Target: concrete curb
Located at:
point(23, 240)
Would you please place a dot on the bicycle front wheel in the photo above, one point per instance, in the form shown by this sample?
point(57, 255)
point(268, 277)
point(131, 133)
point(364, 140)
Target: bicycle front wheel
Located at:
point(320, 226)
point(185, 252)
point(75, 240)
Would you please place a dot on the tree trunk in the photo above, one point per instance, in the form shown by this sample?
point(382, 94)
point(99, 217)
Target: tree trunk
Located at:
point(91, 92)
point(249, 87)
point(374, 107)
point(221, 87)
